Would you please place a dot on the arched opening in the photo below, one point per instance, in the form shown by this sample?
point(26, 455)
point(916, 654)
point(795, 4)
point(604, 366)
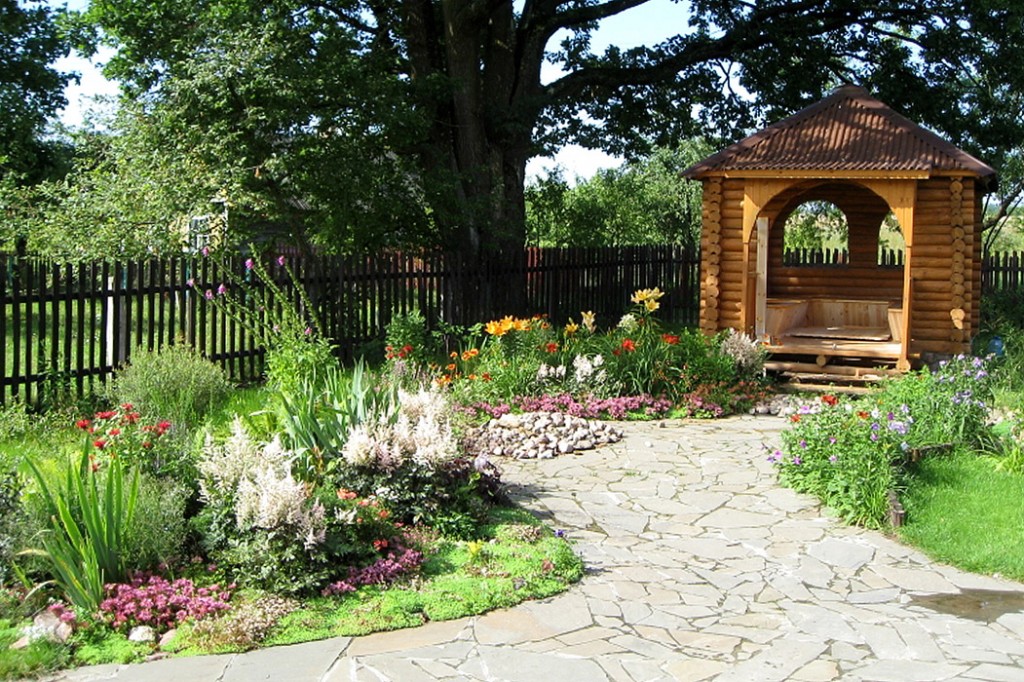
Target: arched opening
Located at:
point(815, 232)
point(891, 245)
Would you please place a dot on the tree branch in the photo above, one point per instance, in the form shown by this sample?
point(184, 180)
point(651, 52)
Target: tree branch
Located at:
point(750, 34)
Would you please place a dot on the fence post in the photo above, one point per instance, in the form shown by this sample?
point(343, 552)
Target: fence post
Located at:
point(114, 319)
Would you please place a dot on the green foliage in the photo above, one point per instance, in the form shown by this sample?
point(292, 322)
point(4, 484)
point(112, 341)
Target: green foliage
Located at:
point(407, 338)
point(173, 383)
point(87, 552)
point(10, 516)
point(816, 225)
point(31, 89)
point(156, 535)
point(643, 202)
point(285, 325)
point(851, 454)
point(316, 419)
point(39, 657)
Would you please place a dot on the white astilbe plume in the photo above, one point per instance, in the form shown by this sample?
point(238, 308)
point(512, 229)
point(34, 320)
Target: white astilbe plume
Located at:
point(744, 351)
point(222, 466)
point(270, 500)
point(421, 432)
point(359, 448)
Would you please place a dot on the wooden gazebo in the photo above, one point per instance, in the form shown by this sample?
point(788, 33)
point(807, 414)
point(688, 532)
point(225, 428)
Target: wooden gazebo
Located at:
point(851, 150)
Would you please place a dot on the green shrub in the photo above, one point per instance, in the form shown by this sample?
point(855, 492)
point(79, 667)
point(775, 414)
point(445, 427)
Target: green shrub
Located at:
point(173, 383)
point(157, 533)
point(10, 492)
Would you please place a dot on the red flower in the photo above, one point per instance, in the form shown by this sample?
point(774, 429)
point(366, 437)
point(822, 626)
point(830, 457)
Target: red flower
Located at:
point(486, 376)
point(82, 424)
point(628, 345)
point(670, 339)
point(383, 514)
point(380, 544)
point(794, 417)
point(110, 414)
point(115, 432)
point(551, 347)
point(99, 443)
point(127, 406)
point(616, 352)
point(829, 400)
point(862, 414)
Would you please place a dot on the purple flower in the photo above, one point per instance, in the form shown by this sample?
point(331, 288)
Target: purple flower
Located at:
point(209, 295)
point(832, 440)
point(803, 443)
point(307, 331)
point(559, 533)
point(797, 461)
point(206, 251)
point(280, 260)
point(833, 459)
point(249, 264)
point(190, 282)
point(222, 289)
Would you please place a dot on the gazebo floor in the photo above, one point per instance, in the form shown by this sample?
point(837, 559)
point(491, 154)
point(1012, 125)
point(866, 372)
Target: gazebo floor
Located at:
point(888, 351)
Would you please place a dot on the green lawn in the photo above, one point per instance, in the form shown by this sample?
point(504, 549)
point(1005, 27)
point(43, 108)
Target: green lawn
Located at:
point(961, 511)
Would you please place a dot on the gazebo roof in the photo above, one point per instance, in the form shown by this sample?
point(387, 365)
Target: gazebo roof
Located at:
point(848, 131)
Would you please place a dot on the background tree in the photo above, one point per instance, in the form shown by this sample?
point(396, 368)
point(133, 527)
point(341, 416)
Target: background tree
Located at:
point(31, 89)
point(415, 118)
point(642, 202)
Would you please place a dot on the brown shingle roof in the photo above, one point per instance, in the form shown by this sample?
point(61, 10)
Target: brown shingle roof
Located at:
point(847, 131)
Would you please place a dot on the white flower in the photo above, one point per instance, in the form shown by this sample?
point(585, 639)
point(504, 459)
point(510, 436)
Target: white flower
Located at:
point(627, 322)
point(359, 450)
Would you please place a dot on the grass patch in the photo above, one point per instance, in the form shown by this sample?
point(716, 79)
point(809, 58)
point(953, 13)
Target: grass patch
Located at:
point(961, 511)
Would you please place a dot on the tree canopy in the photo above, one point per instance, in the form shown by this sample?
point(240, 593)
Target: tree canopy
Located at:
point(363, 122)
point(31, 88)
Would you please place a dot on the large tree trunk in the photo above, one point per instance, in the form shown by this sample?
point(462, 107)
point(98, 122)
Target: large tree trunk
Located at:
point(481, 141)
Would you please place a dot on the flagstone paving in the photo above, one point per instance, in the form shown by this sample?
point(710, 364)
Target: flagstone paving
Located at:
point(699, 567)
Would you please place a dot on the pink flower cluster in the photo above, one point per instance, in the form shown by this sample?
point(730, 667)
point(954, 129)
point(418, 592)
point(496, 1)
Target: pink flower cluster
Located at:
point(161, 604)
point(399, 561)
point(595, 408)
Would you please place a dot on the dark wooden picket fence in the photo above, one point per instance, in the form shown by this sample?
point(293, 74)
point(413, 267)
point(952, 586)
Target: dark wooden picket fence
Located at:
point(800, 257)
point(66, 328)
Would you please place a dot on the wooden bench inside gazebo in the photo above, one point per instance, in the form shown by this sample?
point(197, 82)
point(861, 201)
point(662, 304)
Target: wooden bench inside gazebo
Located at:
point(852, 151)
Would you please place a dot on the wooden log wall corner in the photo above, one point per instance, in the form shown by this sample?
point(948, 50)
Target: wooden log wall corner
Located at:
point(959, 272)
point(712, 249)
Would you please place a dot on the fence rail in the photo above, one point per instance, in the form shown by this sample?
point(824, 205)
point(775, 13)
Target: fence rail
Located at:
point(66, 328)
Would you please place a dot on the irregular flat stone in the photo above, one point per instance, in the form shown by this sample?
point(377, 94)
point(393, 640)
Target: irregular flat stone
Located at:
point(901, 671)
point(848, 554)
point(494, 663)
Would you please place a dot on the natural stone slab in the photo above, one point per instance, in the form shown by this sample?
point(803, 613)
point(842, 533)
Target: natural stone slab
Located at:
point(995, 673)
point(901, 671)
point(776, 663)
point(848, 554)
point(494, 663)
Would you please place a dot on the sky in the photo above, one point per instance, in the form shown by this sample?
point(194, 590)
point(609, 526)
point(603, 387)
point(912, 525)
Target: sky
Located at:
point(648, 24)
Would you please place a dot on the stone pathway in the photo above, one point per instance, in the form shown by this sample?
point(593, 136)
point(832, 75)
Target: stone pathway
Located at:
point(699, 568)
